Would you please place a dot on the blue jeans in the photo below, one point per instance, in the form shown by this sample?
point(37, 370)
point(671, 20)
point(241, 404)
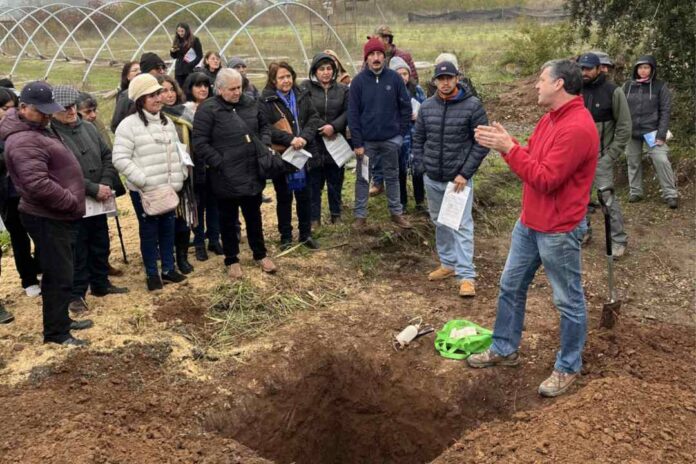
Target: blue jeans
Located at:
point(560, 255)
point(454, 247)
point(386, 154)
point(156, 238)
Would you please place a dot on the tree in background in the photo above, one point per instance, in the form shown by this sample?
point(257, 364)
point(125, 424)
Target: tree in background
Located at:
point(663, 28)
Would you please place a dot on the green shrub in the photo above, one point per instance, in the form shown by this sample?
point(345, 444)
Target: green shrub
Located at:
point(536, 44)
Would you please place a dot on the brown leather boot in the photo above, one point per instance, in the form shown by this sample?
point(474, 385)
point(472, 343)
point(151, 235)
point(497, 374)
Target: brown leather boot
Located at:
point(401, 221)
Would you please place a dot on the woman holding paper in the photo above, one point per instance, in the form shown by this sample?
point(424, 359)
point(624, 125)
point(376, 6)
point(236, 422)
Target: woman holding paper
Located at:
point(330, 99)
point(295, 124)
point(186, 50)
point(146, 154)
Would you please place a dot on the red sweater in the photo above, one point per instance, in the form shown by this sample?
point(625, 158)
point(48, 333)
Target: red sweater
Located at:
point(557, 168)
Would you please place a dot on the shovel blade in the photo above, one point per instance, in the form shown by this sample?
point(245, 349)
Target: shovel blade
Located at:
point(610, 314)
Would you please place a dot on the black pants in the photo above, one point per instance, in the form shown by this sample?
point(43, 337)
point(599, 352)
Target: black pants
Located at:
point(229, 224)
point(28, 267)
point(303, 206)
point(418, 188)
point(90, 255)
point(331, 175)
point(55, 241)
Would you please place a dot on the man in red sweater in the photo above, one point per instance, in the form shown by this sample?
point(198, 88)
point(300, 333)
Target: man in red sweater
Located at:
point(557, 167)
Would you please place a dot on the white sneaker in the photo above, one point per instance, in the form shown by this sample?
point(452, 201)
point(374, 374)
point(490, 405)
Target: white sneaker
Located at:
point(33, 291)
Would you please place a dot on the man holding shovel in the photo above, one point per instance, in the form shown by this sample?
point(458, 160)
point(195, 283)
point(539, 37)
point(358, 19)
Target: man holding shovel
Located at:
point(557, 168)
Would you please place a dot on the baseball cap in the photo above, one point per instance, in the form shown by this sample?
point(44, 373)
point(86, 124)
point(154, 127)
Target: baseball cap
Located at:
point(588, 60)
point(40, 94)
point(445, 68)
point(382, 30)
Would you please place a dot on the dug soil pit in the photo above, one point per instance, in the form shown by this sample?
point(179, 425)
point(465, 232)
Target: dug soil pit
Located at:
point(345, 408)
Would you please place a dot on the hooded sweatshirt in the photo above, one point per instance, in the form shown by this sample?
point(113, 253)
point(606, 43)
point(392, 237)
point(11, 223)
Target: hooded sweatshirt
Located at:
point(650, 102)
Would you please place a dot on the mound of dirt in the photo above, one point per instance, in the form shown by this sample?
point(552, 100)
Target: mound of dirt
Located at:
point(186, 309)
point(516, 106)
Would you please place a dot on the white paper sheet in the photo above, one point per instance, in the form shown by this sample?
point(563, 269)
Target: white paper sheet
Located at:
point(182, 150)
point(190, 56)
point(339, 149)
point(297, 158)
point(365, 167)
point(96, 208)
point(415, 106)
point(453, 206)
point(2, 226)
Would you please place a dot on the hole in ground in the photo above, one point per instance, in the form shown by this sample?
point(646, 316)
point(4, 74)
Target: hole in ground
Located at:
point(335, 409)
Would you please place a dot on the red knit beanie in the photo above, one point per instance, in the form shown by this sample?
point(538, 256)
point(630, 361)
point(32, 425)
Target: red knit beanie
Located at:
point(375, 44)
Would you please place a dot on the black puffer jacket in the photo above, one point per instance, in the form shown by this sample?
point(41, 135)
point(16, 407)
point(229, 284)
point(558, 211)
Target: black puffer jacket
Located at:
point(331, 104)
point(443, 140)
point(222, 138)
point(309, 121)
point(90, 150)
point(121, 109)
point(650, 102)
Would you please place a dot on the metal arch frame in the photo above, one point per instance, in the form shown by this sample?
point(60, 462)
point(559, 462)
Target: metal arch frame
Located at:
point(9, 33)
point(278, 5)
point(161, 24)
point(30, 15)
point(98, 10)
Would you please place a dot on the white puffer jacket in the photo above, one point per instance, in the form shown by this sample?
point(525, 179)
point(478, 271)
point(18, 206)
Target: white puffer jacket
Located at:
point(140, 153)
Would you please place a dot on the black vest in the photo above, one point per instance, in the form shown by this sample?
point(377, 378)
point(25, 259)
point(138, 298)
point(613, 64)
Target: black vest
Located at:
point(598, 96)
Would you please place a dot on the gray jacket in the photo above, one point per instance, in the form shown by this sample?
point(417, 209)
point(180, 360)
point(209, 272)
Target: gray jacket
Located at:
point(93, 154)
point(650, 102)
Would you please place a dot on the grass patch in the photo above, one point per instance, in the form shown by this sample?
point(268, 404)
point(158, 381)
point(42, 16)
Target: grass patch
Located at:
point(4, 241)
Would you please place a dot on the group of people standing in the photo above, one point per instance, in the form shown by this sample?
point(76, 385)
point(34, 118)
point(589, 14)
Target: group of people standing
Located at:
point(188, 149)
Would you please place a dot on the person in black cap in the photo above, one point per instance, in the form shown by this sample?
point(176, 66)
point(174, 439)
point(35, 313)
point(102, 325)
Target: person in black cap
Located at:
point(609, 108)
point(152, 63)
point(444, 149)
point(52, 189)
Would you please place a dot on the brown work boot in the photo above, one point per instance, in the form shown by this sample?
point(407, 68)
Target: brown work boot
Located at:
point(489, 359)
point(376, 190)
point(359, 224)
point(235, 271)
point(441, 273)
point(557, 384)
point(267, 265)
point(401, 221)
point(467, 288)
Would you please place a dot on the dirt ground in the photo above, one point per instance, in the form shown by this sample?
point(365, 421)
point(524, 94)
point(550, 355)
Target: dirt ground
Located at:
point(324, 384)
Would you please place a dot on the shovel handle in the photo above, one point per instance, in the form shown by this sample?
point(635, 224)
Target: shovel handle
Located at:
point(607, 218)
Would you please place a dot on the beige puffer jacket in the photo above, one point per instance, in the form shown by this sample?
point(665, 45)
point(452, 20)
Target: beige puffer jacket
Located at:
point(140, 153)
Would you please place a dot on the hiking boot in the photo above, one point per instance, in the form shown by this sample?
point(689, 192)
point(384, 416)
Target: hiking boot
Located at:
point(33, 291)
point(234, 271)
point(5, 316)
point(201, 253)
point(78, 306)
point(489, 359)
point(618, 250)
point(285, 244)
point(154, 283)
point(173, 277)
point(310, 243)
point(266, 199)
point(115, 272)
point(81, 324)
point(401, 221)
point(216, 247)
point(634, 198)
point(70, 341)
point(109, 290)
point(673, 203)
point(557, 384)
point(376, 190)
point(441, 273)
point(467, 288)
point(267, 265)
point(359, 224)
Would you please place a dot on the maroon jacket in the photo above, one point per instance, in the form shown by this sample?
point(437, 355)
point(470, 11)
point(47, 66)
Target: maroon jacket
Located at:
point(43, 170)
point(406, 56)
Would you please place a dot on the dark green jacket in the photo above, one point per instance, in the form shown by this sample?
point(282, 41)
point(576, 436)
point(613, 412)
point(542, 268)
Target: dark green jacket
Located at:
point(91, 151)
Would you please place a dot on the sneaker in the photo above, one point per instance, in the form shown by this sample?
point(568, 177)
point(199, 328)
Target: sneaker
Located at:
point(310, 243)
point(267, 265)
point(216, 247)
point(618, 250)
point(359, 224)
point(5, 316)
point(33, 291)
point(234, 271)
point(173, 277)
point(154, 283)
point(376, 190)
point(441, 273)
point(401, 221)
point(70, 341)
point(81, 324)
point(78, 306)
point(489, 359)
point(557, 384)
point(633, 198)
point(201, 253)
point(110, 290)
point(467, 288)
point(673, 203)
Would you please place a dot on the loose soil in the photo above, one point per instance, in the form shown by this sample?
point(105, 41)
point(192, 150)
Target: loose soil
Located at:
point(325, 385)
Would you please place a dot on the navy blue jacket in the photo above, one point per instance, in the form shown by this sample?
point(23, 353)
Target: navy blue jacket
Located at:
point(379, 107)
